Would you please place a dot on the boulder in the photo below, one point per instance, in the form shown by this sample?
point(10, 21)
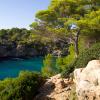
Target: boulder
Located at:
point(88, 81)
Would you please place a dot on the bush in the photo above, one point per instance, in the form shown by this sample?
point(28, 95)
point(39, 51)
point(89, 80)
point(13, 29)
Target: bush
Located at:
point(66, 66)
point(60, 64)
point(23, 87)
point(83, 58)
point(63, 63)
point(87, 55)
point(49, 68)
point(68, 71)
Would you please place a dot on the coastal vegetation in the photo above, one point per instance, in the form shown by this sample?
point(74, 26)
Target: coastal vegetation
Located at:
point(17, 42)
point(67, 34)
point(80, 21)
point(24, 87)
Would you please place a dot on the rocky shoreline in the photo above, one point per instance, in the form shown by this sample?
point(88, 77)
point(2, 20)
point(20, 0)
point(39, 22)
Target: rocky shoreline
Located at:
point(19, 51)
point(25, 51)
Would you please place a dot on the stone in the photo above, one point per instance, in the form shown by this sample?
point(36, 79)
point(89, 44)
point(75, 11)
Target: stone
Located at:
point(55, 88)
point(88, 81)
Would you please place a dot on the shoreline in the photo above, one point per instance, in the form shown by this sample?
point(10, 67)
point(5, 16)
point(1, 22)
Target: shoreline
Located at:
point(17, 58)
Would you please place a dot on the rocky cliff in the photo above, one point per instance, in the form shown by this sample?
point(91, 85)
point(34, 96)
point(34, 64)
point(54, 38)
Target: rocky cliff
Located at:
point(13, 50)
point(27, 50)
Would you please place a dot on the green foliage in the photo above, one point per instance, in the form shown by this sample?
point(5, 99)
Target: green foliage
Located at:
point(54, 65)
point(63, 62)
point(14, 35)
point(49, 68)
point(34, 24)
point(62, 14)
point(23, 87)
point(68, 70)
point(60, 64)
point(71, 55)
point(38, 38)
point(84, 57)
point(46, 15)
point(87, 55)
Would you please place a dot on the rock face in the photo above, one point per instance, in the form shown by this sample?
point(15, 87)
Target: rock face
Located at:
point(57, 53)
point(13, 50)
point(88, 81)
point(55, 88)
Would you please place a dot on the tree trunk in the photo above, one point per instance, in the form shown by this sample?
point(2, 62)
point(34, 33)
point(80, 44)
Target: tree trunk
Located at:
point(76, 43)
point(76, 48)
point(75, 40)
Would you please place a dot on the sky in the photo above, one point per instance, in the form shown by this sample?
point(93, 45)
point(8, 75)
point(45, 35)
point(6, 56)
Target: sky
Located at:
point(20, 13)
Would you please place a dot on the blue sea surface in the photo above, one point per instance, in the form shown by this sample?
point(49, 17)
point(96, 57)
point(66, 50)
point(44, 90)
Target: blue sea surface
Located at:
point(12, 67)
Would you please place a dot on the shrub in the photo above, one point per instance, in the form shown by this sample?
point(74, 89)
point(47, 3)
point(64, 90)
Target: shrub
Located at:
point(60, 64)
point(68, 71)
point(63, 63)
point(49, 67)
point(83, 58)
point(66, 64)
point(87, 55)
point(23, 87)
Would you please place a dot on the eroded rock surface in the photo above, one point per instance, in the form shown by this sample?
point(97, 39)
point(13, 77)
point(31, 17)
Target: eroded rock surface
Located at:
point(55, 88)
point(88, 81)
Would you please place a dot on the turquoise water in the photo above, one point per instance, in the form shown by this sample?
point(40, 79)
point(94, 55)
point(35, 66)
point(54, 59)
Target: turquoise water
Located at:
point(12, 67)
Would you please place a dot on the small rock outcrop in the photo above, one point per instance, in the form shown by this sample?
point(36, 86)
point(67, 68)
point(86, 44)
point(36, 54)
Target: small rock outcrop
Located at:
point(88, 81)
point(55, 88)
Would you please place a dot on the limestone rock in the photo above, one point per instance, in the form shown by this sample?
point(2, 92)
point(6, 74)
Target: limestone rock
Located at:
point(88, 81)
point(13, 51)
point(55, 88)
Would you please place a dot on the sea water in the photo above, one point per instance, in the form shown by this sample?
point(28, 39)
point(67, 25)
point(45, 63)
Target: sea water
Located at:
point(12, 67)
